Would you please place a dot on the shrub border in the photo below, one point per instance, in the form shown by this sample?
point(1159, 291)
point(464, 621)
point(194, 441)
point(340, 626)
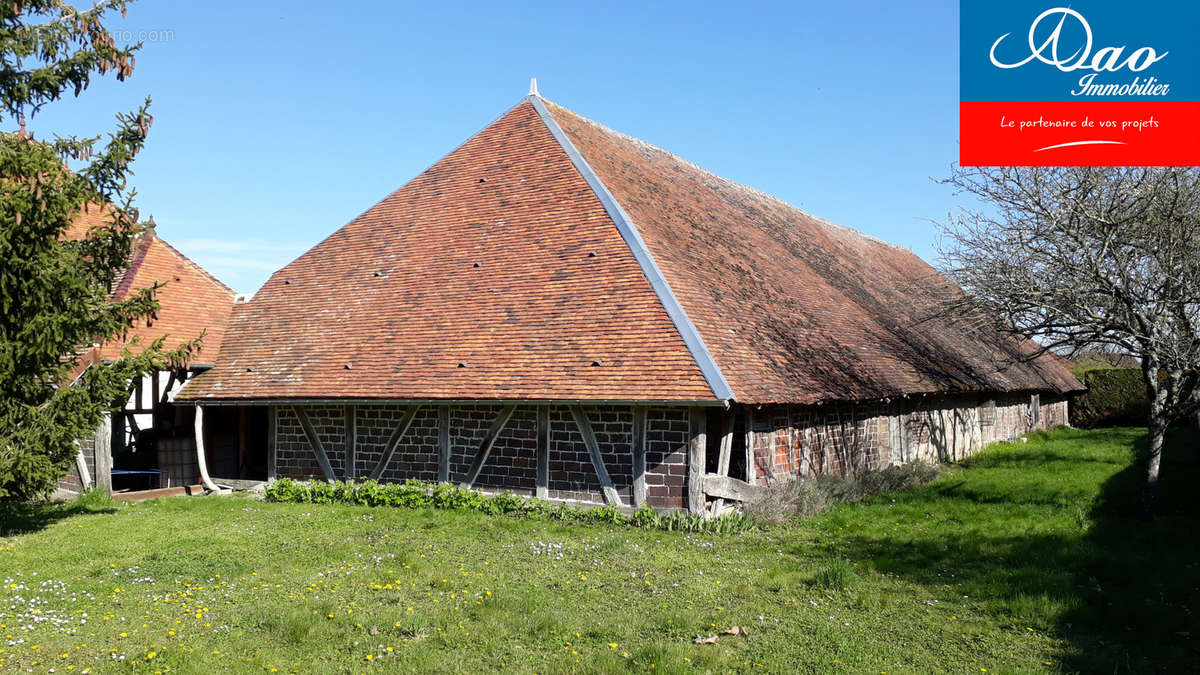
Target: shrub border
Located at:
point(416, 494)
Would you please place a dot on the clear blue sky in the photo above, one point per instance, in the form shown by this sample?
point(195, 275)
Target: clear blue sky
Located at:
point(278, 122)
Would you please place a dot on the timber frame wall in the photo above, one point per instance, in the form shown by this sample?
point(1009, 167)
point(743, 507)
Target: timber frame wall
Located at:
point(634, 455)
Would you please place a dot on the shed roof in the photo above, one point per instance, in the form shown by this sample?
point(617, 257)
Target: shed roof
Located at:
point(551, 258)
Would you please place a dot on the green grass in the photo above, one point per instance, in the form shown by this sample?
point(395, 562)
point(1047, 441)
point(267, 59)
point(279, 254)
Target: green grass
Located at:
point(1027, 558)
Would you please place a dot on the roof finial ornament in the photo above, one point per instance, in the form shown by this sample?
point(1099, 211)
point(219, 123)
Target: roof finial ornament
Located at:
point(533, 87)
point(150, 225)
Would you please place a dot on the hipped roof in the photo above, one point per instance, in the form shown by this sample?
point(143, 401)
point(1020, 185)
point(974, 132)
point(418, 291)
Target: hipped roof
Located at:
point(551, 258)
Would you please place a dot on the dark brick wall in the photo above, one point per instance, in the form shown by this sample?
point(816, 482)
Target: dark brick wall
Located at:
point(666, 456)
point(512, 463)
point(789, 442)
point(294, 456)
point(416, 455)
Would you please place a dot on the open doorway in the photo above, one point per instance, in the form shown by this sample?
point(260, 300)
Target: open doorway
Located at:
point(718, 423)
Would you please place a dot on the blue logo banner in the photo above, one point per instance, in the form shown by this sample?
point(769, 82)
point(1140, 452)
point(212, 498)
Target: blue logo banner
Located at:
point(1085, 50)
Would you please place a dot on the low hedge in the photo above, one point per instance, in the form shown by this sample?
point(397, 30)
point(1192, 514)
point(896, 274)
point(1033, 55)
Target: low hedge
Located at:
point(419, 494)
point(1115, 397)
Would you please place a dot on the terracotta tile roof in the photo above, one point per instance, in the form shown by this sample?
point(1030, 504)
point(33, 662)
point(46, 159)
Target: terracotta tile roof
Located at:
point(794, 307)
point(551, 258)
point(495, 274)
point(192, 301)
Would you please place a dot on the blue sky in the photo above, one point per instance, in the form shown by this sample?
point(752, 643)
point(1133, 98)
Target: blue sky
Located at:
point(278, 122)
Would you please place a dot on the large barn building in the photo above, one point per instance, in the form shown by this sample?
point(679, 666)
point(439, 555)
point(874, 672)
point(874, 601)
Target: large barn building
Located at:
point(560, 310)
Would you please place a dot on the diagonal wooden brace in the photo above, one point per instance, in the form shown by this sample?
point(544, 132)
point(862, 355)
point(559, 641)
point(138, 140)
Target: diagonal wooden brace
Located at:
point(314, 441)
point(485, 446)
point(393, 441)
point(589, 439)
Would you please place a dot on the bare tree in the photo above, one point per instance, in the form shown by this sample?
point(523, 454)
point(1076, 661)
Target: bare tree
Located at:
point(1086, 258)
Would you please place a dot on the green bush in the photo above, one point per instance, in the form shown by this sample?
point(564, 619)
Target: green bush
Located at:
point(417, 494)
point(1115, 397)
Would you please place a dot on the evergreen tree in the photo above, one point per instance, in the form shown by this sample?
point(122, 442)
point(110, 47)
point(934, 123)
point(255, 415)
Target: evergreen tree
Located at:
point(54, 292)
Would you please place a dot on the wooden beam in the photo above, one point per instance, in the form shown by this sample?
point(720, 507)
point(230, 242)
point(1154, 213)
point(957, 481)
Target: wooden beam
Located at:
point(726, 444)
point(272, 458)
point(443, 444)
point(314, 441)
point(393, 441)
point(351, 442)
point(727, 425)
point(85, 478)
point(724, 487)
point(102, 453)
point(201, 460)
point(639, 456)
point(543, 452)
point(166, 392)
point(751, 468)
point(485, 446)
point(154, 385)
point(589, 440)
point(697, 458)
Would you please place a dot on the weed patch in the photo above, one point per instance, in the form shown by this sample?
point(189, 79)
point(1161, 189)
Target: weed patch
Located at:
point(808, 497)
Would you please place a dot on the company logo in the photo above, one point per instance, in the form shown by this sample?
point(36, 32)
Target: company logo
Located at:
point(1053, 51)
point(1041, 83)
point(1108, 58)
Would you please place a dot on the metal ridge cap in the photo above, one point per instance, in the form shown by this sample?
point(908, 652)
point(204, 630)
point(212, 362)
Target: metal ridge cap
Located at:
point(629, 232)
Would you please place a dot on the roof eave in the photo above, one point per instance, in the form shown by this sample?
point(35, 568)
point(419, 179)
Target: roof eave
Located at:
point(441, 401)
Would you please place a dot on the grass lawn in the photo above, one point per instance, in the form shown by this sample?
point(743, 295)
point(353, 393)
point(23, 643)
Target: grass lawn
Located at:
point(1025, 558)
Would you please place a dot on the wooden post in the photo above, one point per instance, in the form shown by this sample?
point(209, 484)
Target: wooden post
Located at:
point(393, 441)
point(751, 469)
point(697, 458)
point(315, 442)
point(543, 452)
point(243, 441)
point(443, 444)
point(485, 446)
point(639, 456)
point(102, 454)
point(154, 385)
point(589, 440)
point(351, 443)
point(272, 458)
point(200, 459)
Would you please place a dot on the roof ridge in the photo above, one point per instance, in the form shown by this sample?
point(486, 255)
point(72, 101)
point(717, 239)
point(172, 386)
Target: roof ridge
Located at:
point(727, 181)
point(628, 230)
point(195, 265)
